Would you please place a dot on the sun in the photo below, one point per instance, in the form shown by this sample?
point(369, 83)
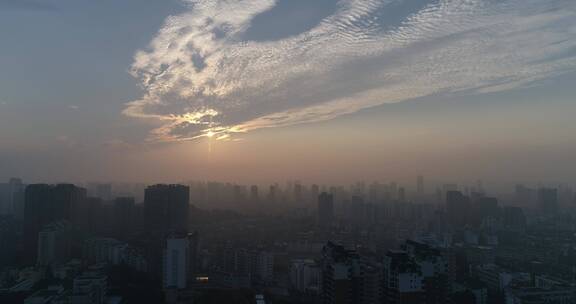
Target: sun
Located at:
point(210, 134)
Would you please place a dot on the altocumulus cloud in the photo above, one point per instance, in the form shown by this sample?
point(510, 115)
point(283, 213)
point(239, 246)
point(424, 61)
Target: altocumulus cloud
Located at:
point(202, 78)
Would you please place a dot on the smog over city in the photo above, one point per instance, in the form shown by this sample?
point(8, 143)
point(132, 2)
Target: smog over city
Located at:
point(288, 151)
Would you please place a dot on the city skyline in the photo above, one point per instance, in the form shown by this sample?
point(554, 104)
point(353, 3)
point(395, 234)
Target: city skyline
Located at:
point(287, 151)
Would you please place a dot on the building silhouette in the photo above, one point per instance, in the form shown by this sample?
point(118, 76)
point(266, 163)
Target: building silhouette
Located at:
point(12, 198)
point(325, 210)
point(8, 240)
point(254, 196)
point(166, 208)
point(45, 204)
point(420, 185)
point(457, 208)
point(548, 200)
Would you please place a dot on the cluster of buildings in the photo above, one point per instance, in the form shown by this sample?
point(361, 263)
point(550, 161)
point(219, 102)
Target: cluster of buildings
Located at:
point(373, 243)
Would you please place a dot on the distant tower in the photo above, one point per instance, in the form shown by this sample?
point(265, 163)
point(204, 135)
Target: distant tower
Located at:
point(314, 192)
point(457, 207)
point(548, 200)
point(16, 197)
point(297, 193)
point(239, 193)
point(420, 186)
point(480, 186)
point(104, 191)
point(325, 210)
point(393, 189)
point(254, 193)
point(401, 195)
point(273, 194)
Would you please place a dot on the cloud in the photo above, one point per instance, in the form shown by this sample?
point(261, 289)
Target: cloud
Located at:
point(26, 5)
point(201, 77)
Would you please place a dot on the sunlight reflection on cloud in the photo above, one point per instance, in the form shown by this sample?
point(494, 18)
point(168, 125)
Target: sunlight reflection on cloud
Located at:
point(200, 78)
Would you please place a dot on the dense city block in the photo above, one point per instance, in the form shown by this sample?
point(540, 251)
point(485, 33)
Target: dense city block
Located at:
point(212, 242)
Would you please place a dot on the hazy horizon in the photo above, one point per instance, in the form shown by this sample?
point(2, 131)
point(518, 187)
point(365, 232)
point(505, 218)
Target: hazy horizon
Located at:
point(288, 151)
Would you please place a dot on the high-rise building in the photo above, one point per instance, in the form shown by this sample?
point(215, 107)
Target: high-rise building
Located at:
point(445, 189)
point(524, 196)
point(348, 278)
point(548, 200)
point(12, 198)
point(357, 210)
point(8, 240)
point(393, 189)
point(273, 194)
point(4, 200)
point(166, 208)
point(420, 185)
point(239, 194)
point(45, 204)
point(485, 207)
point(314, 192)
point(374, 195)
point(401, 195)
point(457, 208)
point(297, 196)
point(16, 197)
point(336, 274)
point(180, 260)
point(254, 196)
point(97, 219)
point(513, 218)
point(104, 191)
point(54, 244)
point(325, 210)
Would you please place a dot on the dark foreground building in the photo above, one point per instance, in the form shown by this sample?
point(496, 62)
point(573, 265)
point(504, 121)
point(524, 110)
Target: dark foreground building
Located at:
point(45, 204)
point(166, 208)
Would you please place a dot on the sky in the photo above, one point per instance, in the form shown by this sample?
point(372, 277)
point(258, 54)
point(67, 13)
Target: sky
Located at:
point(262, 90)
